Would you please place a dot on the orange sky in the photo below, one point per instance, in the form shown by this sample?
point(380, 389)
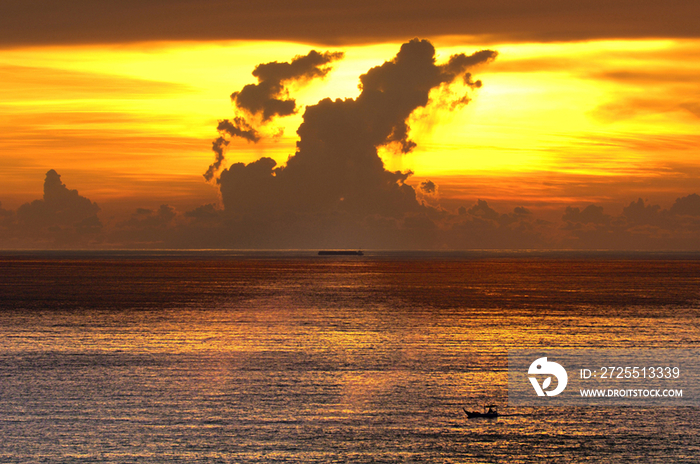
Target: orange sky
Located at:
point(555, 123)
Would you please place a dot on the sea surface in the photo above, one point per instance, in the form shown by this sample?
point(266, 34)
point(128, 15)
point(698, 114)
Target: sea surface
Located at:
point(237, 357)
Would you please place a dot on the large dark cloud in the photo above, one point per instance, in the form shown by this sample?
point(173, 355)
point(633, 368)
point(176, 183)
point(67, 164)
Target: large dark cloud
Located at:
point(61, 218)
point(24, 22)
point(336, 175)
point(59, 206)
point(269, 97)
point(687, 206)
point(257, 104)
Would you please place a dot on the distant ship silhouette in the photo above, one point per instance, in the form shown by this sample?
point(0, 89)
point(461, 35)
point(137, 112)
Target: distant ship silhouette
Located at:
point(341, 253)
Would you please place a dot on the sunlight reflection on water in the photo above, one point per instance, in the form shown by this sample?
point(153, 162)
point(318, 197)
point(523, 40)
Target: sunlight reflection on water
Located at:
point(316, 360)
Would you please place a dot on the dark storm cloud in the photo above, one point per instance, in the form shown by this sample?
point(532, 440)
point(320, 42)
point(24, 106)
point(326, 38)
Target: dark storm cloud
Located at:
point(335, 190)
point(24, 22)
point(336, 171)
point(60, 205)
point(61, 218)
point(269, 97)
point(260, 103)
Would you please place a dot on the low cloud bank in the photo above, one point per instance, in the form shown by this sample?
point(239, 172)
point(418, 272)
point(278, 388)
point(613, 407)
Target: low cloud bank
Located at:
point(63, 219)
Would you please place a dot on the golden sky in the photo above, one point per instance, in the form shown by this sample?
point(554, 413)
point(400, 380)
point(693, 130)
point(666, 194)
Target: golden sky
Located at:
point(587, 108)
point(602, 121)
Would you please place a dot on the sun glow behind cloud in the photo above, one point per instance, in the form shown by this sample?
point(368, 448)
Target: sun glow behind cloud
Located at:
point(137, 121)
point(544, 106)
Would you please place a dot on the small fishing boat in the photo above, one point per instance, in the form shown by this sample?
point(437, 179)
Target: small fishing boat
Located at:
point(490, 411)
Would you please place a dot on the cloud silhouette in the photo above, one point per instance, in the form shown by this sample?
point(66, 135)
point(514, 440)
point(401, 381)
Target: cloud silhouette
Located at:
point(257, 104)
point(641, 226)
point(428, 187)
point(270, 97)
point(147, 228)
point(687, 206)
point(217, 147)
point(482, 210)
point(336, 174)
point(60, 206)
point(639, 213)
point(65, 219)
point(61, 218)
point(482, 227)
point(146, 218)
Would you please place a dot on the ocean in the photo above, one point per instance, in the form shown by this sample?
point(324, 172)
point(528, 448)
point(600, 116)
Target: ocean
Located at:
point(238, 357)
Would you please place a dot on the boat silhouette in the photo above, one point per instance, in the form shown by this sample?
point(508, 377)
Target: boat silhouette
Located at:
point(341, 253)
point(490, 411)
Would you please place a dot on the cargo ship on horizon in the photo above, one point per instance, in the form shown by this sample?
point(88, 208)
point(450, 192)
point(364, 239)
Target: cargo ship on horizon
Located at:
point(341, 253)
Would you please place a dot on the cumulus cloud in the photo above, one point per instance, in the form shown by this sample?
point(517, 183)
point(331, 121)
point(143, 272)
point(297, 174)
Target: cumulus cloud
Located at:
point(640, 226)
point(150, 228)
point(61, 218)
point(687, 206)
point(481, 226)
point(482, 210)
point(146, 218)
point(428, 187)
point(257, 104)
point(590, 214)
point(270, 97)
point(65, 219)
point(59, 206)
point(207, 212)
point(336, 171)
point(638, 212)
